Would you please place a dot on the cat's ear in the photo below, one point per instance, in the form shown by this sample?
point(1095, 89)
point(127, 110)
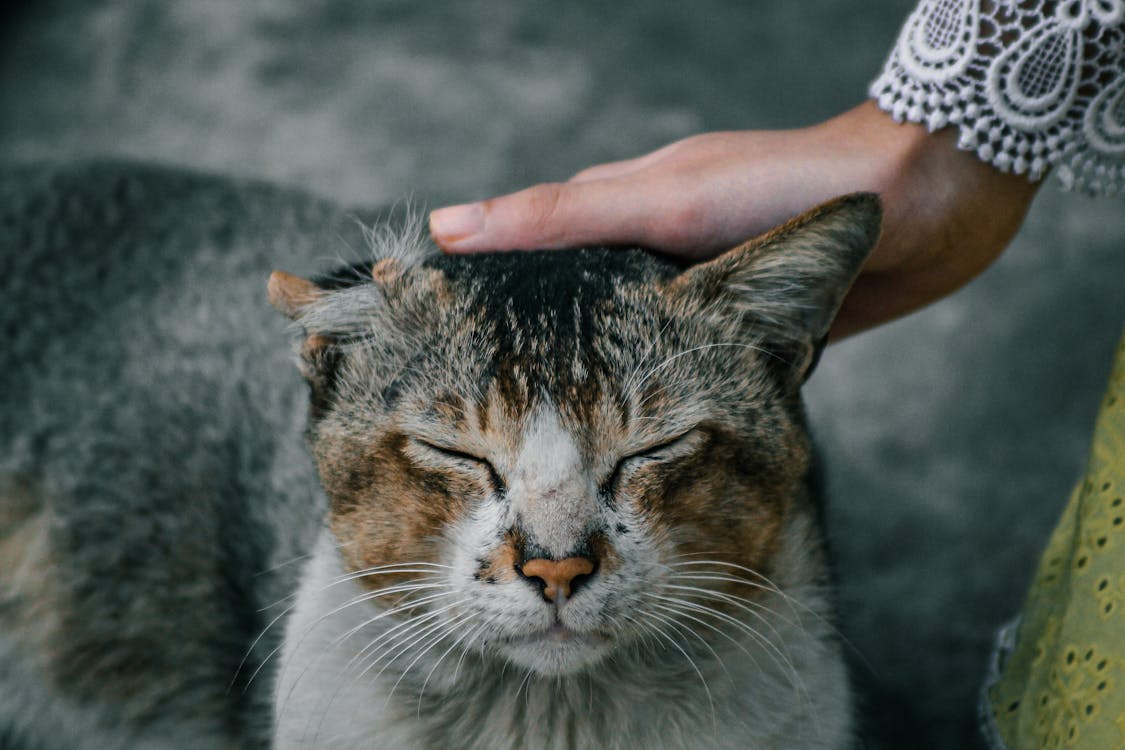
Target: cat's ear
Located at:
point(293, 297)
point(786, 286)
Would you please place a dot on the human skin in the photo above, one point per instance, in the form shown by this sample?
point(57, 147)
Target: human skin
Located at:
point(947, 215)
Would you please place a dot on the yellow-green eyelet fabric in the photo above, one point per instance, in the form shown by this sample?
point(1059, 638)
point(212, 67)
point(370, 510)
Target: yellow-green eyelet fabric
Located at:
point(1062, 681)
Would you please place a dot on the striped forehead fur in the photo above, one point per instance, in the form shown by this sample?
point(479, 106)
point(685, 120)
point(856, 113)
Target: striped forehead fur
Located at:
point(536, 315)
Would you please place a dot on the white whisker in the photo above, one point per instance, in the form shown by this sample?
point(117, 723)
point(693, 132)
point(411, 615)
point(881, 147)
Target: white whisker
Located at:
point(702, 680)
point(781, 659)
point(464, 637)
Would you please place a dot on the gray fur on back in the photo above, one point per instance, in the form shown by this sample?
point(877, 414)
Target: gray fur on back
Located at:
point(152, 418)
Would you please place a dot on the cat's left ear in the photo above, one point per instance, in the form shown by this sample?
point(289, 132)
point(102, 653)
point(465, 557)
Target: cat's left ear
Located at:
point(786, 286)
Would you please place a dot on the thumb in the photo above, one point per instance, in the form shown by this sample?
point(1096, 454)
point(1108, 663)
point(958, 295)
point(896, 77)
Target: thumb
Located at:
point(551, 215)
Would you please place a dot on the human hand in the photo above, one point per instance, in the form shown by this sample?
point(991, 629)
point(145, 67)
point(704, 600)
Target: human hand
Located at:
point(947, 215)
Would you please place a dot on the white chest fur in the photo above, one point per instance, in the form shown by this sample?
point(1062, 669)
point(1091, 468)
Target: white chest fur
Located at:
point(787, 690)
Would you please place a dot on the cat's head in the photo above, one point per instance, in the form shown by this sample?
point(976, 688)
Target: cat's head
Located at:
point(554, 456)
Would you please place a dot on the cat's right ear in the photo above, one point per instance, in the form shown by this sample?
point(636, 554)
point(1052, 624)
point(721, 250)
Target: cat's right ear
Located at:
point(292, 296)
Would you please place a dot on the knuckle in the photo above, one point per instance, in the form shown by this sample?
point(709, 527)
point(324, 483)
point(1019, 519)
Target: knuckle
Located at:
point(544, 202)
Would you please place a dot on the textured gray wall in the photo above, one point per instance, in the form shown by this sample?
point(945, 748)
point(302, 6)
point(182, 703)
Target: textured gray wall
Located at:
point(952, 437)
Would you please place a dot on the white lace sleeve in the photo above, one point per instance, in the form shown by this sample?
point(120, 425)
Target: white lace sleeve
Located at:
point(1030, 84)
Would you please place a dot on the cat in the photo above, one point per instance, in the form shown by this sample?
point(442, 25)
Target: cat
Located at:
point(153, 477)
point(569, 498)
point(598, 436)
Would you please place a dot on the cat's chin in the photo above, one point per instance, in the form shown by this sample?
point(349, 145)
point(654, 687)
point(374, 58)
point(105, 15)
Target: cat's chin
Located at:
point(556, 651)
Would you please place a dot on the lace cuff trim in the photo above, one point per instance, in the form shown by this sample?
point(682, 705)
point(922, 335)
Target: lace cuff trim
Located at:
point(1029, 85)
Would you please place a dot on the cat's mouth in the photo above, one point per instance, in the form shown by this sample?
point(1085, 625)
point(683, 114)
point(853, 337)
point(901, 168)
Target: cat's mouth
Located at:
point(556, 649)
point(557, 634)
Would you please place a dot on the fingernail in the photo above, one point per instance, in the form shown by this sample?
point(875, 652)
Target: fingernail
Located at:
point(456, 223)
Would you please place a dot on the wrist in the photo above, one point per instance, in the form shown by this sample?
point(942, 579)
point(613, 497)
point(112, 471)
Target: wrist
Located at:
point(943, 206)
point(946, 214)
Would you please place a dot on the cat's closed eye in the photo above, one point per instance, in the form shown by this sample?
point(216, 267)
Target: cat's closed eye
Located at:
point(443, 457)
point(664, 451)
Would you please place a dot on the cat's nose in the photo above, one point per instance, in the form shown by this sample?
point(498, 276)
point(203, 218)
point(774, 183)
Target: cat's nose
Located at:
point(559, 578)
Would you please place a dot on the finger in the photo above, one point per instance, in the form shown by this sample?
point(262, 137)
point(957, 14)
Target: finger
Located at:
point(625, 167)
point(611, 169)
point(550, 215)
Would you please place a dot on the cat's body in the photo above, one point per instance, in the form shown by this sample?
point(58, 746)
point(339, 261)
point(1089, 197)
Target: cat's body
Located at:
point(152, 468)
point(583, 478)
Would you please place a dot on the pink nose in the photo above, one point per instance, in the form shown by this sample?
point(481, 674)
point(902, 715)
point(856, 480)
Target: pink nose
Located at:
point(558, 575)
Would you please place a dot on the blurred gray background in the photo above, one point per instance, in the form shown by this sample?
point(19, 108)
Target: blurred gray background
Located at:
point(952, 437)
